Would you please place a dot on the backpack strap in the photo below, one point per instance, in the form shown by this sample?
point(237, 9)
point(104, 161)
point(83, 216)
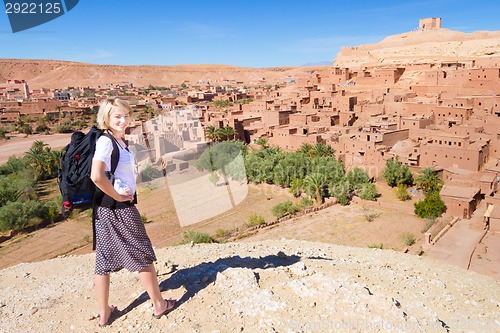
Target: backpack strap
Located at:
point(115, 154)
point(115, 157)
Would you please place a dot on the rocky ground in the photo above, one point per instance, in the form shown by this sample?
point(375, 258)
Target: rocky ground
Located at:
point(267, 286)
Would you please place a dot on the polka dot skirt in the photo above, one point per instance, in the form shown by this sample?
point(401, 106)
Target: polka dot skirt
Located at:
point(121, 241)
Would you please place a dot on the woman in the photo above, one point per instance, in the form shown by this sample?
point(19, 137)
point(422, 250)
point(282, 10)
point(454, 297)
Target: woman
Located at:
point(121, 239)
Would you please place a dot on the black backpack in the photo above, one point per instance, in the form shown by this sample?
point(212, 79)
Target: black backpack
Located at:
point(74, 175)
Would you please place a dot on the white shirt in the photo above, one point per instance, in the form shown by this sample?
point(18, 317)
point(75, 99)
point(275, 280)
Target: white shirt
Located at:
point(125, 173)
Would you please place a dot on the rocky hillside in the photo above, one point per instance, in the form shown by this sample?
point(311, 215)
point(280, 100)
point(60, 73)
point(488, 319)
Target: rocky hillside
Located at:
point(427, 46)
point(270, 286)
point(61, 74)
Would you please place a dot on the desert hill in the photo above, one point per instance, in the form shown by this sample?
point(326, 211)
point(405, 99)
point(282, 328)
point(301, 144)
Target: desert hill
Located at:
point(62, 74)
point(270, 286)
point(423, 47)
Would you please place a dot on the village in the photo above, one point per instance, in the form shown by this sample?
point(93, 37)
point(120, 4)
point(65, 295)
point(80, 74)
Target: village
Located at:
point(444, 115)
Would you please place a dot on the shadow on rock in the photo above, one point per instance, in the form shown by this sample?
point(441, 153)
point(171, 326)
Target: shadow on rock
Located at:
point(196, 278)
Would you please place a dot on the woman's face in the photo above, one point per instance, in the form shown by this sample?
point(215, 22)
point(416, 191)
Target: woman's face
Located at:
point(119, 119)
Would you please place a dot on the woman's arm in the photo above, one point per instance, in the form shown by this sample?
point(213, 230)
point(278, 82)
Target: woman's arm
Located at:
point(98, 176)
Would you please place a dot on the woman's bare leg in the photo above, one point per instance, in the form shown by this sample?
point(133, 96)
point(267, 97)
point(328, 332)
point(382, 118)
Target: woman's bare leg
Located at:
point(150, 282)
point(101, 283)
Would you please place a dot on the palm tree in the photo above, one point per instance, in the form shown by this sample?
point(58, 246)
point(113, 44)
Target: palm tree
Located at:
point(296, 186)
point(429, 181)
point(230, 132)
point(211, 133)
point(321, 149)
point(314, 184)
point(226, 133)
point(306, 148)
point(35, 157)
point(45, 161)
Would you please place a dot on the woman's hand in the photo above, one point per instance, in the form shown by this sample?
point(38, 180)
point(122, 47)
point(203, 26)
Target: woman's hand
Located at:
point(98, 176)
point(126, 196)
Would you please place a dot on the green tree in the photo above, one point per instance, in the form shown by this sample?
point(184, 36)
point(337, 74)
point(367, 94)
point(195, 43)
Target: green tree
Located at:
point(289, 166)
point(284, 208)
point(368, 191)
point(211, 133)
point(224, 157)
point(431, 207)
point(321, 149)
point(357, 177)
point(262, 141)
point(43, 159)
point(226, 133)
point(330, 167)
point(221, 103)
point(429, 181)
point(396, 173)
point(296, 187)
point(306, 148)
point(314, 185)
point(341, 191)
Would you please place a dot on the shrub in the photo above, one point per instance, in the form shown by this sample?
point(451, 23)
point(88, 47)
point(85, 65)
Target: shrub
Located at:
point(150, 173)
point(26, 129)
point(19, 215)
point(195, 237)
point(343, 197)
point(284, 208)
point(255, 220)
point(64, 128)
point(408, 238)
point(42, 129)
point(376, 246)
point(370, 215)
point(368, 191)
point(402, 193)
point(431, 207)
point(306, 202)
point(222, 234)
point(14, 165)
point(14, 187)
point(144, 218)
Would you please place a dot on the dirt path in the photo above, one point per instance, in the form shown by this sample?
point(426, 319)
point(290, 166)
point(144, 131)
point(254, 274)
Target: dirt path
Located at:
point(20, 144)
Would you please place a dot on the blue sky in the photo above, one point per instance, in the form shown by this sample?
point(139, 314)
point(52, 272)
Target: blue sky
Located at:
point(241, 33)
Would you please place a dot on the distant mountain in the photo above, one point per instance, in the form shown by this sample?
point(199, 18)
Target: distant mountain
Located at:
point(60, 74)
point(424, 46)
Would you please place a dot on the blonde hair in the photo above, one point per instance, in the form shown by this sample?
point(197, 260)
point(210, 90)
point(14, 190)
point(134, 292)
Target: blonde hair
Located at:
point(105, 110)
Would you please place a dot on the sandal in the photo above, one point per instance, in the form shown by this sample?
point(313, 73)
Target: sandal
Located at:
point(170, 306)
point(112, 310)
